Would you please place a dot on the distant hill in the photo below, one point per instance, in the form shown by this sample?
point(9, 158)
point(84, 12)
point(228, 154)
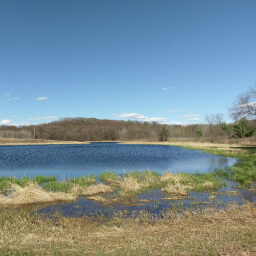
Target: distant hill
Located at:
point(92, 129)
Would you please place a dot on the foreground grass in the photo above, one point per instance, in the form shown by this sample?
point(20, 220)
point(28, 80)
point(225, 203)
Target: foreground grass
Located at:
point(209, 232)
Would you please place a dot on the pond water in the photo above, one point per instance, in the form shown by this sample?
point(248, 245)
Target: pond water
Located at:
point(66, 161)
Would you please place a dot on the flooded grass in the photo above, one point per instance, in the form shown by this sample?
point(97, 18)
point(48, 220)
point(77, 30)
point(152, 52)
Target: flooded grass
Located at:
point(118, 188)
point(208, 231)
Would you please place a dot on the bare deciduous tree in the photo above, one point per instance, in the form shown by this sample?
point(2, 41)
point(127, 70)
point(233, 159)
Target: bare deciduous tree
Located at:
point(245, 105)
point(215, 122)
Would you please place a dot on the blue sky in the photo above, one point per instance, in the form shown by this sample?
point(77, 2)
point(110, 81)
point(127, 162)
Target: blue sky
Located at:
point(171, 61)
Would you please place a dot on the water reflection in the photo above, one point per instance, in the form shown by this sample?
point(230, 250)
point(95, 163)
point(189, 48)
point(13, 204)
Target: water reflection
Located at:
point(66, 161)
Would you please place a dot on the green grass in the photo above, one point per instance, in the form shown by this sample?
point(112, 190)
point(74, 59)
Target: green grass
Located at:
point(56, 186)
point(65, 186)
point(39, 179)
point(83, 181)
point(6, 182)
point(200, 181)
point(105, 176)
point(244, 171)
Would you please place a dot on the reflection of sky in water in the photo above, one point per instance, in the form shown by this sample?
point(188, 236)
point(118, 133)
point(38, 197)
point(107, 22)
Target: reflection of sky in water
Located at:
point(75, 160)
point(201, 165)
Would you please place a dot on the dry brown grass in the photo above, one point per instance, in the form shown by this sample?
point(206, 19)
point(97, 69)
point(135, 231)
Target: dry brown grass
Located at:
point(14, 141)
point(176, 178)
point(212, 232)
point(130, 184)
point(233, 148)
point(176, 189)
point(32, 194)
point(96, 189)
point(174, 185)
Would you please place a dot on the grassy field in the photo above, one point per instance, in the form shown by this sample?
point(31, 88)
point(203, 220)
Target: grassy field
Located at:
point(212, 231)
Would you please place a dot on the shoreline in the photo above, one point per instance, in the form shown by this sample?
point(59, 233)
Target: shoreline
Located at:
point(224, 149)
point(21, 142)
point(12, 141)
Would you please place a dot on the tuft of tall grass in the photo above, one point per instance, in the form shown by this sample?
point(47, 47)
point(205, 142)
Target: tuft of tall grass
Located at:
point(56, 186)
point(39, 179)
point(6, 182)
point(183, 183)
point(83, 181)
point(105, 176)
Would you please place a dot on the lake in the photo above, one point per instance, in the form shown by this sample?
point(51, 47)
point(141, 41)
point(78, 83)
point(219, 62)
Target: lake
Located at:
point(74, 160)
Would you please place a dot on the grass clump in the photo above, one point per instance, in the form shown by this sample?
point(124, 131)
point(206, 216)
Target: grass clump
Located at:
point(56, 186)
point(66, 186)
point(84, 181)
point(31, 194)
point(147, 179)
point(182, 183)
point(39, 179)
point(207, 181)
point(6, 182)
point(106, 176)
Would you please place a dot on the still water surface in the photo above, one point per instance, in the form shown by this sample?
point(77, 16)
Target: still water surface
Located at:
point(66, 161)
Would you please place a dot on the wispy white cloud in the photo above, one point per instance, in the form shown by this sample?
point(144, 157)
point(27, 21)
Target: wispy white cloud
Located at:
point(6, 121)
point(43, 118)
point(188, 116)
point(8, 97)
point(174, 110)
point(166, 88)
point(15, 116)
point(42, 98)
point(139, 117)
point(194, 119)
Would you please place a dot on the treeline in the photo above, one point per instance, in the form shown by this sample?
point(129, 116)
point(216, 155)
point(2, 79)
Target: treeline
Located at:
point(15, 132)
point(92, 129)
